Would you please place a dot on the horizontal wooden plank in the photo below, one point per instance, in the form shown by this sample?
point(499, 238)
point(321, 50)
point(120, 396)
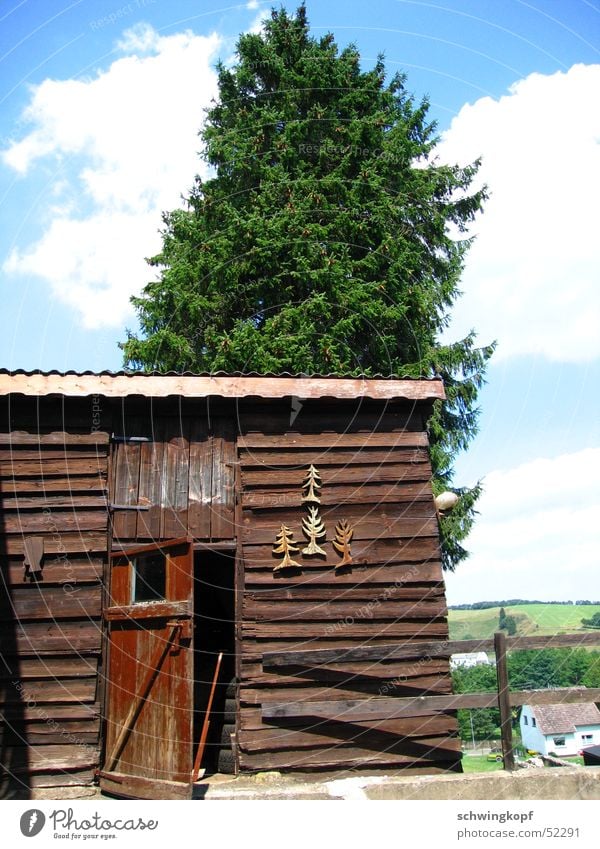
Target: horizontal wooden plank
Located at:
point(36, 601)
point(55, 691)
point(40, 735)
point(371, 492)
point(356, 710)
point(151, 610)
point(589, 638)
point(55, 543)
point(297, 630)
point(229, 386)
point(65, 637)
point(51, 732)
point(269, 737)
point(343, 612)
point(146, 788)
point(48, 468)
point(49, 667)
point(364, 553)
point(342, 736)
point(368, 528)
point(377, 573)
point(48, 758)
point(426, 649)
point(253, 649)
point(43, 486)
point(287, 441)
point(55, 521)
point(341, 756)
point(43, 502)
point(362, 593)
point(343, 690)
point(344, 654)
point(253, 674)
point(338, 475)
point(326, 457)
point(389, 708)
point(64, 778)
point(32, 714)
point(67, 570)
point(20, 437)
point(269, 517)
point(43, 454)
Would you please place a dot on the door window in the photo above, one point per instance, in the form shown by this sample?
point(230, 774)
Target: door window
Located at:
point(149, 578)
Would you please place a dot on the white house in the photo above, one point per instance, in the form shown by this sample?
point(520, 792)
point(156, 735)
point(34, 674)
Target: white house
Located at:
point(561, 729)
point(469, 659)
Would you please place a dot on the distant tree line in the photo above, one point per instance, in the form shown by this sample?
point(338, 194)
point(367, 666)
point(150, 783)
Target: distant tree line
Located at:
point(513, 602)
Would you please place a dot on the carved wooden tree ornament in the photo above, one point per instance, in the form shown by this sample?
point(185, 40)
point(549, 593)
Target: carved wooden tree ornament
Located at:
point(312, 482)
point(343, 536)
point(286, 545)
point(314, 529)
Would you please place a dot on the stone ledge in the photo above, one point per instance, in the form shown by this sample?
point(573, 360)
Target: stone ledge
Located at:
point(563, 784)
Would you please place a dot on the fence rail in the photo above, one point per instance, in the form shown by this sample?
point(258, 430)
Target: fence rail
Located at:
point(394, 707)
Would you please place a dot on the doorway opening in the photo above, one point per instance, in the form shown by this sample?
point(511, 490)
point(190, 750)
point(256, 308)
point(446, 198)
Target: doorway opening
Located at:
point(214, 632)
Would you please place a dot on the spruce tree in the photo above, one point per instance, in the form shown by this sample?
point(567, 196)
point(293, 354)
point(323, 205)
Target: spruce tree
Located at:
point(328, 240)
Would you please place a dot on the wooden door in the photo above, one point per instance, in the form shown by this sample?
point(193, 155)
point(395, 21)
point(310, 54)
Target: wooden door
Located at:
point(149, 707)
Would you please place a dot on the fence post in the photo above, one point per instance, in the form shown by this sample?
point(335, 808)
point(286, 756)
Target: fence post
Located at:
point(504, 700)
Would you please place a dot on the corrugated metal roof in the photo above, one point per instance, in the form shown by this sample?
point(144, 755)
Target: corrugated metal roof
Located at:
point(131, 373)
point(220, 384)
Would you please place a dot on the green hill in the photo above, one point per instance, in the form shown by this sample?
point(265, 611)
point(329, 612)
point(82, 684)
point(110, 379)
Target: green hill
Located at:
point(539, 619)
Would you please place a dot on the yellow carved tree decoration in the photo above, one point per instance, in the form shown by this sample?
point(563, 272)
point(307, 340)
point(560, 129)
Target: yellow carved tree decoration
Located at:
point(286, 545)
point(313, 527)
point(343, 537)
point(312, 482)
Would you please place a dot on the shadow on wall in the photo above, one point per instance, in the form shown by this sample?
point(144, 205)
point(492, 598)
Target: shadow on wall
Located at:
point(14, 751)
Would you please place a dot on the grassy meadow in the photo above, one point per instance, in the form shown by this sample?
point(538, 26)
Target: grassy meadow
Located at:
point(538, 619)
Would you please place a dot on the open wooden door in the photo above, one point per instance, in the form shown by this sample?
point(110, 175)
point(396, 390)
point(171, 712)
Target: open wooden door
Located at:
point(150, 673)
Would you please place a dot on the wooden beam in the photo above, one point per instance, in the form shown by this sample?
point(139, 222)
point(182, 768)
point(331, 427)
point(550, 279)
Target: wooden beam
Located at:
point(19, 437)
point(414, 649)
point(504, 700)
point(195, 386)
point(351, 710)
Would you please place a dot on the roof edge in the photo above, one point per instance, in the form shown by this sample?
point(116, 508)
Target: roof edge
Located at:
point(226, 386)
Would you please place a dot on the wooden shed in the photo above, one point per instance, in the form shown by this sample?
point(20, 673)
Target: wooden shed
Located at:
point(150, 522)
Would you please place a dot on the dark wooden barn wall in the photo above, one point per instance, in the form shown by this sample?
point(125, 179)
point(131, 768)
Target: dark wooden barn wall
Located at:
point(375, 473)
point(56, 487)
point(53, 486)
point(181, 478)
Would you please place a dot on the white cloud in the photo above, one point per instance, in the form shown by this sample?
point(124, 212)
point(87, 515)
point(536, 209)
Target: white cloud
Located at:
point(532, 276)
point(537, 535)
point(125, 143)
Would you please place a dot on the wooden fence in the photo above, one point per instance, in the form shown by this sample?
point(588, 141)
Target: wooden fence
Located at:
point(395, 707)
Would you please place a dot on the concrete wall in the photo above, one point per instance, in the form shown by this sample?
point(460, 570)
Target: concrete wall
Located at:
point(542, 783)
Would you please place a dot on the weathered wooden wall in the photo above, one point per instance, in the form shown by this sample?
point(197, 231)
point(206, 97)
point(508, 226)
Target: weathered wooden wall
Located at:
point(55, 480)
point(181, 477)
point(375, 473)
point(53, 486)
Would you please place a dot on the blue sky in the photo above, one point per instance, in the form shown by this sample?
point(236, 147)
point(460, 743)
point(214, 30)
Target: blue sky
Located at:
point(101, 104)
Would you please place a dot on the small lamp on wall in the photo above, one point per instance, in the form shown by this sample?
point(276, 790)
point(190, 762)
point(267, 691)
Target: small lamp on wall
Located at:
point(444, 502)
